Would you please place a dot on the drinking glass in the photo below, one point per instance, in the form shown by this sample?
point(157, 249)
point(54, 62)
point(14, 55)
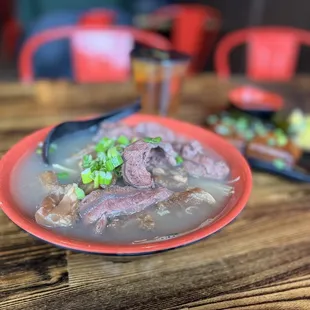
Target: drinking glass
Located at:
point(158, 76)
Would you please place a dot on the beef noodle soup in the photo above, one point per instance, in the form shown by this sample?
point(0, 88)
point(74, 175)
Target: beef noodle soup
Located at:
point(125, 184)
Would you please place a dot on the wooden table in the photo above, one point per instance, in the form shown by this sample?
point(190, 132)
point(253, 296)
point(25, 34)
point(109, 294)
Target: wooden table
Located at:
point(260, 261)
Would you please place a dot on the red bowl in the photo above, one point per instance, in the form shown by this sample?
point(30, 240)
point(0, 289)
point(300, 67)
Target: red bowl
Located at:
point(235, 204)
point(254, 99)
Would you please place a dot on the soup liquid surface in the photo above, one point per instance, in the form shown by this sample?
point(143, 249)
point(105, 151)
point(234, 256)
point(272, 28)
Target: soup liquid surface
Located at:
point(28, 192)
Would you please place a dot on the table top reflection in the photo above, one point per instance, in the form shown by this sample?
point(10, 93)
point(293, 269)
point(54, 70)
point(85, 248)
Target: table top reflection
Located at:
point(260, 261)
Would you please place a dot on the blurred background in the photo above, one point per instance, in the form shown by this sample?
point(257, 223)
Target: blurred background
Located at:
point(22, 19)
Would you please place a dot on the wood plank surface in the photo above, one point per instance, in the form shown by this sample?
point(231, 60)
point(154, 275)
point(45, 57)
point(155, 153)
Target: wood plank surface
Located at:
point(260, 261)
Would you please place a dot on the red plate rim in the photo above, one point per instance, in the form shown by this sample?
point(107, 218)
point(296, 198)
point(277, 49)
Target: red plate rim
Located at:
point(237, 163)
point(275, 105)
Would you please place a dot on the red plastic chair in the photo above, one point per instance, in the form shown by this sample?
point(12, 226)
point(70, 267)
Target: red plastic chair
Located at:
point(98, 17)
point(11, 33)
point(271, 52)
point(194, 31)
point(100, 54)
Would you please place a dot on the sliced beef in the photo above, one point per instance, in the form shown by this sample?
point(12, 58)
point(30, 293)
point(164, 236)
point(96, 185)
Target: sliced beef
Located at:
point(59, 208)
point(161, 156)
point(139, 157)
point(134, 168)
point(175, 179)
point(114, 130)
point(198, 164)
point(191, 150)
point(185, 200)
point(118, 201)
point(207, 168)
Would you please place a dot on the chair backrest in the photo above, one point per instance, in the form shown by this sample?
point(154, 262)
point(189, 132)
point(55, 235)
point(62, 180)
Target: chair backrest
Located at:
point(194, 31)
point(98, 17)
point(99, 54)
point(271, 52)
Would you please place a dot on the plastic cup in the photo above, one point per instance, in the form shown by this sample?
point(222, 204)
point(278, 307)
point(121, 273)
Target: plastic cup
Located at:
point(158, 76)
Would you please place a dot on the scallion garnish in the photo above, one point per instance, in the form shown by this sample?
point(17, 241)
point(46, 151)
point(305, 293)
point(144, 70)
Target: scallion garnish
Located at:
point(101, 156)
point(152, 140)
point(53, 148)
point(86, 176)
point(123, 140)
point(87, 161)
point(79, 193)
point(104, 144)
point(62, 175)
point(105, 178)
point(179, 160)
point(112, 152)
point(114, 162)
point(107, 163)
point(96, 179)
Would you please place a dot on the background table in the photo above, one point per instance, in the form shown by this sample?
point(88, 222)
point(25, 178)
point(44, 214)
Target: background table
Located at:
point(260, 261)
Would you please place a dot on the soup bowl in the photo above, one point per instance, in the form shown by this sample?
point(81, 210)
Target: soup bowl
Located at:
point(240, 171)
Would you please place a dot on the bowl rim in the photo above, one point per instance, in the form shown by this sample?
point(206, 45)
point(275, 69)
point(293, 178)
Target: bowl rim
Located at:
point(11, 209)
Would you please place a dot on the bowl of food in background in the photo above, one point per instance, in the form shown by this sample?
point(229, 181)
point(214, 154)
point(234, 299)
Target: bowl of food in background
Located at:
point(268, 145)
point(255, 101)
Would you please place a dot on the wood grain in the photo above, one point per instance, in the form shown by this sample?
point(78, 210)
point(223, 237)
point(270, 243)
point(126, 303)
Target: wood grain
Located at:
point(260, 261)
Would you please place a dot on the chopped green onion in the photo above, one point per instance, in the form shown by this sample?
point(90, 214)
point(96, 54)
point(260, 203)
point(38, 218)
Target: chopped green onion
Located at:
point(179, 160)
point(87, 161)
point(101, 156)
point(222, 130)
point(120, 148)
point(112, 152)
point(248, 135)
point(279, 163)
point(39, 151)
point(86, 176)
point(212, 119)
point(279, 132)
point(114, 162)
point(152, 140)
point(105, 178)
point(62, 175)
point(104, 144)
point(79, 193)
point(227, 120)
point(53, 148)
point(95, 165)
point(96, 179)
point(241, 124)
point(134, 140)
point(123, 140)
point(271, 142)
point(282, 140)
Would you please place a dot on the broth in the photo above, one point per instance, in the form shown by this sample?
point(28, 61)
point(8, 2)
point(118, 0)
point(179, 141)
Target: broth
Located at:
point(28, 192)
